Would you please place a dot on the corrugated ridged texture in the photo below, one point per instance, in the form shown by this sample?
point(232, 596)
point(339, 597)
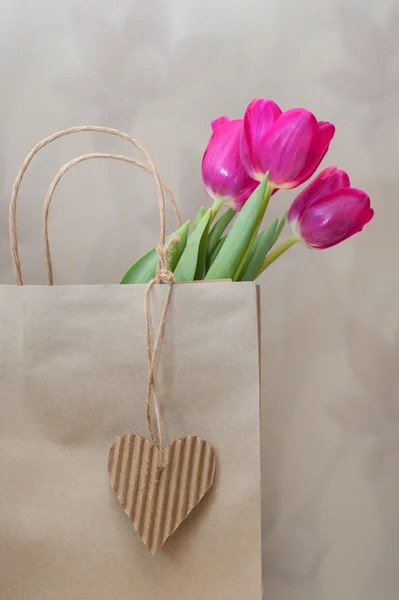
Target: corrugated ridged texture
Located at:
point(158, 501)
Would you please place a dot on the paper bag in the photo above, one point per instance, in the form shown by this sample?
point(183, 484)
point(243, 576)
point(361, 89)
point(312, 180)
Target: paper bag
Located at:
point(73, 372)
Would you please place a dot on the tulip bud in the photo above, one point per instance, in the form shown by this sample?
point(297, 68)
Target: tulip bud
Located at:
point(289, 145)
point(223, 175)
point(328, 210)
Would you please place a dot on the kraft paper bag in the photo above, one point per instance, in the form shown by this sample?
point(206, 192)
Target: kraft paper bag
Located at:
point(74, 376)
point(73, 372)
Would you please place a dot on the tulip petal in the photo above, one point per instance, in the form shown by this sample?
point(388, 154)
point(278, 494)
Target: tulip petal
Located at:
point(259, 116)
point(327, 181)
point(289, 146)
point(322, 149)
point(326, 134)
point(334, 218)
point(222, 172)
point(217, 122)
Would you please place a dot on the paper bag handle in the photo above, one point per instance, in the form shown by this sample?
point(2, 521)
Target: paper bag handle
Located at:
point(150, 168)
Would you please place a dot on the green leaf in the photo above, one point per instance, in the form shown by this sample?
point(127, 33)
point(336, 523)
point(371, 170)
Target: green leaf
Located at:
point(279, 229)
point(202, 253)
point(217, 249)
point(218, 229)
point(261, 246)
point(192, 261)
point(144, 269)
point(241, 235)
point(198, 217)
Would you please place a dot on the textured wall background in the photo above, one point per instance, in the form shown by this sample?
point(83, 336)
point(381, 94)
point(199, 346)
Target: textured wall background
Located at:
point(161, 70)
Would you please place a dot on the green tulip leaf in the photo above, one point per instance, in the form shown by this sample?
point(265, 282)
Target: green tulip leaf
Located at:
point(191, 265)
point(279, 229)
point(144, 269)
point(198, 217)
point(242, 234)
point(255, 257)
point(216, 250)
point(219, 228)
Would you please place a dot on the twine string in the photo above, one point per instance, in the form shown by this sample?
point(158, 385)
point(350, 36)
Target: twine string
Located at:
point(55, 183)
point(163, 273)
point(70, 131)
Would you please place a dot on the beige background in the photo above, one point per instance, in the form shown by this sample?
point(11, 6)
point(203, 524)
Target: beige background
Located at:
point(161, 70)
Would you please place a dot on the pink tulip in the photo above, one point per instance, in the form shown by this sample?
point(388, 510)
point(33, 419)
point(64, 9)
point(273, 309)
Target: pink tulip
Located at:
point(328, 210)
point(222, 172)
point(290, 145)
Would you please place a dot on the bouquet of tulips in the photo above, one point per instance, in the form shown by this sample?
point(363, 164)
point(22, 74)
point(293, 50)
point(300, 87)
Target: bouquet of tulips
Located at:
point(245, 163)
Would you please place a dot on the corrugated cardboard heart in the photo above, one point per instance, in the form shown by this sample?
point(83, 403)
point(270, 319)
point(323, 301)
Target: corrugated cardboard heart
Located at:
point(157, 501)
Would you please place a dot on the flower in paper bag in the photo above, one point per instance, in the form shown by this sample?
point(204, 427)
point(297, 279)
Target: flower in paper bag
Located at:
point(328, 210)
point(290, 145)
point(224, 177)
point(245, 162)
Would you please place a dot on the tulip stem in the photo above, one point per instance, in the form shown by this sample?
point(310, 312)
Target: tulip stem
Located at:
point(270, 258)
point(217, 205)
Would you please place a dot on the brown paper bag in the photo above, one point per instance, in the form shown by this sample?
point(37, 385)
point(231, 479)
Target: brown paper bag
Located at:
point(73, 372)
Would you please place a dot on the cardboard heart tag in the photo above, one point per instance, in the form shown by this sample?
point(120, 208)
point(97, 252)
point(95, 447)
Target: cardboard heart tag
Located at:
point(157, 501)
